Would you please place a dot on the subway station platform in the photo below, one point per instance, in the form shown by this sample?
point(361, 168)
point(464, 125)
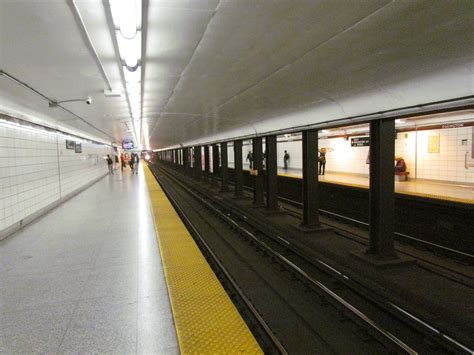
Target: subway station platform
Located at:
point(423, 188)
point(89, 277)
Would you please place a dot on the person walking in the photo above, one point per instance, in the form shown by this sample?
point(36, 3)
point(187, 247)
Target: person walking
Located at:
point(286, 157)
point(110, 164)
point(123, 162)
point(136, 161)
point(322, 161)
point(130, 162)
point(250, 159)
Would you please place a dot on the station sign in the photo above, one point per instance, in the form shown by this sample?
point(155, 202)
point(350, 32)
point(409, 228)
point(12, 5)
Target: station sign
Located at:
point(452, 125)
point(78, 147)
point(70, 144)
point(126, 144)
point(360, 142)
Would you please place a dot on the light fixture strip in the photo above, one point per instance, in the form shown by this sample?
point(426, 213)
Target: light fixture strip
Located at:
point(127, 15)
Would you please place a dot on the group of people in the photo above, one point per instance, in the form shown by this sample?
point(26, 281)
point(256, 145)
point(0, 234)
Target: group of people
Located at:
point(133, 161)
point(321, 161)
point(286, 159)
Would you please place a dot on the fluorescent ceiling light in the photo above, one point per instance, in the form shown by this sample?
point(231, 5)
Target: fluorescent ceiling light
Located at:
point(127, 13)
point(132, 77)
point(133, 89)
point(129, 49)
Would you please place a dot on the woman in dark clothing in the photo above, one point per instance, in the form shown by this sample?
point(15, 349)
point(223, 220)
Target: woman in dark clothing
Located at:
point(322, 161)
point(400, 165)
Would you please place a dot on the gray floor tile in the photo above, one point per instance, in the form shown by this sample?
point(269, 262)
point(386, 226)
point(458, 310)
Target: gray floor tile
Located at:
point(39, 340)
point(156, 335)
point(87, 277)
point(105, 337)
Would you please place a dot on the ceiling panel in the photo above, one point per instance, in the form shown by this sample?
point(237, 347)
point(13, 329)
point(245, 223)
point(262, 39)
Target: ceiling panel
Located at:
point(216, 68)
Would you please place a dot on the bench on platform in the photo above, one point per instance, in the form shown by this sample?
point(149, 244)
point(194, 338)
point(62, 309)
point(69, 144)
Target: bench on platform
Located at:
point(402, 176)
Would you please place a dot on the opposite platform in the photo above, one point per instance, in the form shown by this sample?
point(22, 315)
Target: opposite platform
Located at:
point(207, 321)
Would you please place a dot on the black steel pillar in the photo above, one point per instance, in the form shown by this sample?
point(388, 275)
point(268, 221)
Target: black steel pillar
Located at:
point(382, 188)
point(238, 173)
point(271, 172)
point(197, 163)
point(310, 179)
point(206, 163)
point(224, 168)
point(215, 164)
point(185, 161)
point(258, 168)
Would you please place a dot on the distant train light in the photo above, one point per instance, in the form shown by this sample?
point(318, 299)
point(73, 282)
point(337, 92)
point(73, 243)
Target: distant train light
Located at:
point(147, 157)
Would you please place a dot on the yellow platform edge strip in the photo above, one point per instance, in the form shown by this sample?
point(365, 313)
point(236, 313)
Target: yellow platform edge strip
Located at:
point(206, 320)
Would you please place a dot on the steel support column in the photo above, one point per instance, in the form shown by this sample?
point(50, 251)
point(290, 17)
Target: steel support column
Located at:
point(224, 168)
point(258, 166)
point(185, 161)
point(197, 163)
point(310, 179)
point(271, 172)
point(382, 188)
point(206, 163)
point(238, 171)
point(215, 164)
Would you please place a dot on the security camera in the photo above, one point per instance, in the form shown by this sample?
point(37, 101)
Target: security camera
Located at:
point(89, 100)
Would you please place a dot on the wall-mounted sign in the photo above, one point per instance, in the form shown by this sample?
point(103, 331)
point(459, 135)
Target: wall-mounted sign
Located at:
point(433, 144)
point(360, 142)
point(70, 144)
point(127, 144)
point(453, 125)
point(78, 147)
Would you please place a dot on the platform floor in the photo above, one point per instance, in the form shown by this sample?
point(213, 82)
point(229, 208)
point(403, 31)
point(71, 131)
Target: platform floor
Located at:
point(423, 188)
point(88, 277)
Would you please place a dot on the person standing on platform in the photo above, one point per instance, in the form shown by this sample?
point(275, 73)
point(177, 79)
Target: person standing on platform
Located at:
point(136, 161)
point(250, 159)
point(322, 161)
point(286, 157)
point(123, 162)
point(110, 164)
point(130, 162)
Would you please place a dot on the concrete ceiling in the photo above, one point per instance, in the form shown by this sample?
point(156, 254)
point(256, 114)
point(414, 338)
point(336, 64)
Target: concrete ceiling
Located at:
point(215, 69)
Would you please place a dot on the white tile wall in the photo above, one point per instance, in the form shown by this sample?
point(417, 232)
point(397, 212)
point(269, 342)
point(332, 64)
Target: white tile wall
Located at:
point(447, 165)
point(30, 174)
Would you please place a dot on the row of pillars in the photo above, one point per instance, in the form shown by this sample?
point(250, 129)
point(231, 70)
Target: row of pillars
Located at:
point(382, 191)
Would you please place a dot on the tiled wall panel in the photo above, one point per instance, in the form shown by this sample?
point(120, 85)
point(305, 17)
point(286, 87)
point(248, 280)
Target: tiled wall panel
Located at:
point(447, 165)
point(36, 170)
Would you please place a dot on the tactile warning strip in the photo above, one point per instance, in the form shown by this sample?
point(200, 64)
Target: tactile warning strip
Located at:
point(206, 320)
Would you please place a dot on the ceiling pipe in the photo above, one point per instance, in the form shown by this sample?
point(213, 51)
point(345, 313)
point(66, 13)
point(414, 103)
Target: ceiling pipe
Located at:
point(144, 30)
point(87, 38)
point(26, 86)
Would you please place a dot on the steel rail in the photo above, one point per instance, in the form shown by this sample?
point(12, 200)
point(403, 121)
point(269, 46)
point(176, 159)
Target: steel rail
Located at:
point(276, 342)
point(365, 224)
point(352, 309)
point(453, 342)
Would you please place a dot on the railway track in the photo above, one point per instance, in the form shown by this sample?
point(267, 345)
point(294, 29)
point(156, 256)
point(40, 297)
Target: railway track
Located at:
point(436, 248)
point(358, 231)
point(366, 316)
